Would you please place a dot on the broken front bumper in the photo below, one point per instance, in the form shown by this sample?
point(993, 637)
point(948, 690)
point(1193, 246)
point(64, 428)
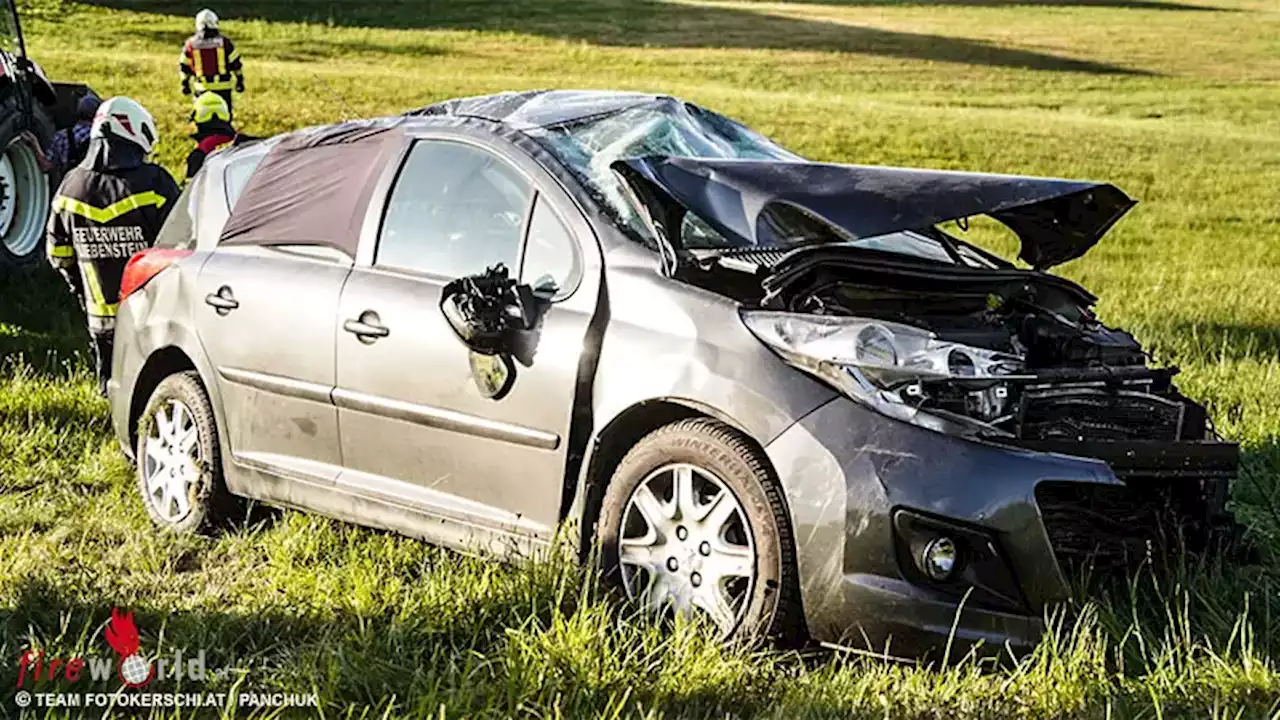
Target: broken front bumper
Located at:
point(865, 493)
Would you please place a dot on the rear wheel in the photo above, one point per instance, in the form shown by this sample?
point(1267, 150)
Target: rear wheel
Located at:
point(693, 524)
point(179, 466)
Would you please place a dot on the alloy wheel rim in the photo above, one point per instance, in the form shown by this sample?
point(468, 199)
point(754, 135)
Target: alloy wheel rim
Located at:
point(686, 547)
point(170, 463)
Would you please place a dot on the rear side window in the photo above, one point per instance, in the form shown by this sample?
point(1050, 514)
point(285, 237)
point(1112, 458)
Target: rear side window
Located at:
point(236, 175)
point(179, 229)
point(455, 210)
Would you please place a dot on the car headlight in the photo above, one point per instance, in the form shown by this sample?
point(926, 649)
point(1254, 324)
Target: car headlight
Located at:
point(883, 364)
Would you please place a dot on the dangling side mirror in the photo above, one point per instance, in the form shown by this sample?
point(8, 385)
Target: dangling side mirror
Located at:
point(493, 374)
point(484, 309)
point(487, 312)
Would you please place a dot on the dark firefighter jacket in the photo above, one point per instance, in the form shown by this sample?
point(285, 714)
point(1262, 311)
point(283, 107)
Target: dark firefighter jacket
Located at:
point(107, 208)
point(210, 61)
point(209, 136)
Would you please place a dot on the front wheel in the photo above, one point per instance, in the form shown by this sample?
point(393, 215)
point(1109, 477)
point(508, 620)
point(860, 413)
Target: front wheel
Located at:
point(693, 524)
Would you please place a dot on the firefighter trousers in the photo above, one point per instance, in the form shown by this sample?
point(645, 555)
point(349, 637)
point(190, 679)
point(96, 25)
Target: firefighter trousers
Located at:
point(103, 342)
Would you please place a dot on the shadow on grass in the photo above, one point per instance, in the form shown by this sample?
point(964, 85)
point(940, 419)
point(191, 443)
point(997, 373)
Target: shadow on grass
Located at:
point(1030, 4)
point(468, 657)
point(306, 50)
point(59, 410)
point(1256, 497)
point(41, 324)
point(639, 23)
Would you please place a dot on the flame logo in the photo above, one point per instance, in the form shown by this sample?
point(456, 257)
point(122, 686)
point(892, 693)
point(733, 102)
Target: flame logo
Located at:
point(121, 633)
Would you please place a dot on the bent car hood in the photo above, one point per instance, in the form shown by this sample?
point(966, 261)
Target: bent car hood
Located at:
point(1057, 220)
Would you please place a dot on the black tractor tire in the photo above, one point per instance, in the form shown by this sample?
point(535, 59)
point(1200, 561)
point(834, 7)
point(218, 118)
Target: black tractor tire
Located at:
point(211, 505)
point(31, 191)
point(773, 612)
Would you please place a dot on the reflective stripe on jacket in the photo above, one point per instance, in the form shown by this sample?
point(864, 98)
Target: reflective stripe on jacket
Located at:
point(211, 63)
point(102, 218)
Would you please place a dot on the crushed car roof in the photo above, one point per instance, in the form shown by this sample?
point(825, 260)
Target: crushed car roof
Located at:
point(537, 108)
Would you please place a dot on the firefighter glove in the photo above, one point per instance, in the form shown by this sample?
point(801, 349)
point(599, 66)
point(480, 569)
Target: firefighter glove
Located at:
point(240, 83)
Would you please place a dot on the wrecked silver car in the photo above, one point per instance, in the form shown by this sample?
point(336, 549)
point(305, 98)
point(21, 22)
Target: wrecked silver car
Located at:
point(769, 392)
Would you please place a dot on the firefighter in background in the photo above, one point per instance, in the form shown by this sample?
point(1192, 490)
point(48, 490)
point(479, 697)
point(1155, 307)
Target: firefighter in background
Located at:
point(106, 209)
point(210, 62)
point(213, 129)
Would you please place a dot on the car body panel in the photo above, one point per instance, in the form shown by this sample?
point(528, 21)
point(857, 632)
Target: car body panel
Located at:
point(155, 318)
point(846, 469)
point(667, 340)
point(409, 409)
point(1057, 220)
point(277, 396)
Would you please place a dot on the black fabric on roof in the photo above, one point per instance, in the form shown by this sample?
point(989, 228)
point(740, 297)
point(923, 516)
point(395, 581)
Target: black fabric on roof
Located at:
point(314, 186)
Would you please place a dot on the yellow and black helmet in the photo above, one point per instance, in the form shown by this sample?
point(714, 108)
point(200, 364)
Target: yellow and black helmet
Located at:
point(208, 106)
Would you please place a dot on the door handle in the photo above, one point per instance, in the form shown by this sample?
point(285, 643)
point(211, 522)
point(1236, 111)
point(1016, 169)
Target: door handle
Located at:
point(223, 301)
point(367, 328)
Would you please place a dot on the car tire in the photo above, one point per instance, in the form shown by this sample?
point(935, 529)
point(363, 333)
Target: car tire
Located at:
point(767, 608)
point(179, 467)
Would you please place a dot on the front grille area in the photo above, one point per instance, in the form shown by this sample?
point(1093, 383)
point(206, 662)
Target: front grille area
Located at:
point(1108, 528)
point(1099, 415)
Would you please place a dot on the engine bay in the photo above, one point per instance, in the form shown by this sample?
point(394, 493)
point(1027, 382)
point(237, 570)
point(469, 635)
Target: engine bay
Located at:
point(1069, 377)
point(1079, 379)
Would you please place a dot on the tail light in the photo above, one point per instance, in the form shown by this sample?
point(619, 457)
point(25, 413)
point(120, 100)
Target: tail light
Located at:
point(146, 265)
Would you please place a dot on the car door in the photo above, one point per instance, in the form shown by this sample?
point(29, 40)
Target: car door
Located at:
point(413, 423)
point(266, 319)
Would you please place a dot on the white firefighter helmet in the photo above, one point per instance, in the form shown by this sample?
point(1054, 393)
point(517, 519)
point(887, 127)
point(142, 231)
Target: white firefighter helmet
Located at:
point(124, 118)
point(206, 19)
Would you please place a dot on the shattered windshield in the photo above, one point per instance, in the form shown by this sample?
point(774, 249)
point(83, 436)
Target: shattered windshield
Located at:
point(669, 127)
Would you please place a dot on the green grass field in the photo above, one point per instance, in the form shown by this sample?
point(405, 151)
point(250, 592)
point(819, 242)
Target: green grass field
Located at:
point(1175, 101)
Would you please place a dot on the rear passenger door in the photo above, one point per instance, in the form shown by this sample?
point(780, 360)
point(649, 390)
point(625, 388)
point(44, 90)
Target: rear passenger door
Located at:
point(266, 319)
point(413, 424)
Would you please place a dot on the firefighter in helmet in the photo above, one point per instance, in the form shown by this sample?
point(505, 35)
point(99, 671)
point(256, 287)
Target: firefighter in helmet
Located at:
point(108, 208)
point(210, 62)
point(212, 118)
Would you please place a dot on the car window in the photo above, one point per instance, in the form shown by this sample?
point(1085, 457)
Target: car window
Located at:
point(551, 264)
point(179, 229)
point(455, 210)
point(236, 175)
